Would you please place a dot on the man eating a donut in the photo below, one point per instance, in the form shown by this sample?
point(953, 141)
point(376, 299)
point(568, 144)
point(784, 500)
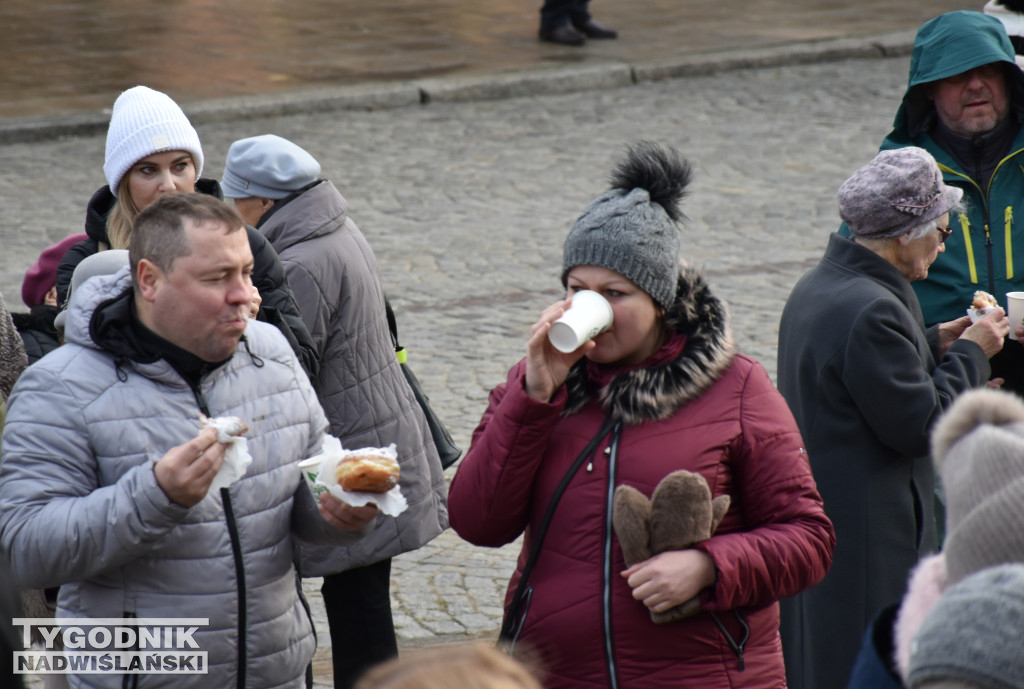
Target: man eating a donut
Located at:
point(105, 480)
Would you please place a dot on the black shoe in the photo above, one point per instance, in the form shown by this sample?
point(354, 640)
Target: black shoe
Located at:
point(592, 29)
point(563, 35)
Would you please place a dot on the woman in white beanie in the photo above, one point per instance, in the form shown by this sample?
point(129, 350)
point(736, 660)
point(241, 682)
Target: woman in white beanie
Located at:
point(152, 149)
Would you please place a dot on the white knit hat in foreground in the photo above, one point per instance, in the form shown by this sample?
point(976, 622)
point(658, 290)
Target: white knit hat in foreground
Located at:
point(144, 122)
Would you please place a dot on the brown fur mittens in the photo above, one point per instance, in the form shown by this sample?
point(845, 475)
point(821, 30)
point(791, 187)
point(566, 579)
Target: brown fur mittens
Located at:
point(679, 514)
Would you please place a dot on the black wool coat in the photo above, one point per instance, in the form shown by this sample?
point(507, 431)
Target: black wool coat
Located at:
point(865, 382)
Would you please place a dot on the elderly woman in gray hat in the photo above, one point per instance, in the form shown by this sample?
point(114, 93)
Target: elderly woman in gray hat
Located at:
point(663, 389)
point(866, 381)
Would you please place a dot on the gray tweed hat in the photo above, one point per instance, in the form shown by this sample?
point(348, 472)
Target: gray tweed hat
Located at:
point(632, 228)
point(894, 193)
point(972, 634)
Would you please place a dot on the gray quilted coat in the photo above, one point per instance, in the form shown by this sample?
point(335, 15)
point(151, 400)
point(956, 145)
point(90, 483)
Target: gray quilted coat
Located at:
point(334, 276)
point(80, 506)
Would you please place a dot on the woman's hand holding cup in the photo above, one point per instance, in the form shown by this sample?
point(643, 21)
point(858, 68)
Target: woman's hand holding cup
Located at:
point(546, 367)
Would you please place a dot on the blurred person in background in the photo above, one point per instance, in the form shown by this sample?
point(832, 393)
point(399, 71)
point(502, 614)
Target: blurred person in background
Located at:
point(568, 22)
point(39, 292)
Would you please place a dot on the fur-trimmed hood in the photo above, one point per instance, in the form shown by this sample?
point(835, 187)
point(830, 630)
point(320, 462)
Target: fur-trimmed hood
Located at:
point(656, 392)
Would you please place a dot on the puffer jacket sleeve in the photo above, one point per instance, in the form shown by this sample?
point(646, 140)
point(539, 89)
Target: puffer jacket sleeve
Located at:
point(279, 307)
point(306, 523)
point(56, 525)
point(489, 498)
point(788, 541)
point(896, 395)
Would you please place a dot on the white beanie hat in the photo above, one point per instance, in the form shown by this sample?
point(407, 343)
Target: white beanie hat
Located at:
point(144, 122)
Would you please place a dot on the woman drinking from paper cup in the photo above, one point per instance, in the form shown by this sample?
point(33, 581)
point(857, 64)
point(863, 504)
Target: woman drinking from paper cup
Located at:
point(661, 389)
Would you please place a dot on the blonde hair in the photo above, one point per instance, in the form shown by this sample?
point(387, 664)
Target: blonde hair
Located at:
point(122, 215)
point(464, 666)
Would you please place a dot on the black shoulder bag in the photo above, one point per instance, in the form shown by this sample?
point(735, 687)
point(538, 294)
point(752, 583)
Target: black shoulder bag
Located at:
point(512, 627)
point(446, 448)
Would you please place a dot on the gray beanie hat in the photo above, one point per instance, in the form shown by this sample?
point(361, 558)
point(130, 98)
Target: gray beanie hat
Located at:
point(632, 228)
point(978, 448)
point(894, 193)
point(267, 167)
point(973, 633)
point(142, 123)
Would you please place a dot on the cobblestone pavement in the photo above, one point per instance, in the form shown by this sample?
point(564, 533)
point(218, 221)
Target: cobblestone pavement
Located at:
point(467, 205)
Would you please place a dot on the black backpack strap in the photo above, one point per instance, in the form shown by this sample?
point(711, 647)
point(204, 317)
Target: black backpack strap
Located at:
point(512, 625)
point(392, 324)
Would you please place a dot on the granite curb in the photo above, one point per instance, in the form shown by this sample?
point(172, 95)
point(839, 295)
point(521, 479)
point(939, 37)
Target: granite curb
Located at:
point(476, 87)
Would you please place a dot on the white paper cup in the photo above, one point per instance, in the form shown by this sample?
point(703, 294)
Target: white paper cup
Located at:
point(310, 469)
point(1015, 311)
point(588, 315)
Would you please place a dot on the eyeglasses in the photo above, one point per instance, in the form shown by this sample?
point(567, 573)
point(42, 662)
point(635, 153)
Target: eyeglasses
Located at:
point(986, 71)
point(944, 233)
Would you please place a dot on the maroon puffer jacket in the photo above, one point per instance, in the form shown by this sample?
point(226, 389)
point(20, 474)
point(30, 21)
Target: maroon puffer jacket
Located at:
point(708, 411)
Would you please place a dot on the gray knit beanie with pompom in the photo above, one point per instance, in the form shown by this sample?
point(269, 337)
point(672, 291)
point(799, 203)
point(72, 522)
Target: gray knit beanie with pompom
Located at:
point(632, 228)
point(970, 635)
point(978, 448)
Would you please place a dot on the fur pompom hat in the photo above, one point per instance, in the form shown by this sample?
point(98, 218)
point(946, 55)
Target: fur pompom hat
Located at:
point(632, 228)
point(978, 448)
point(144, 122)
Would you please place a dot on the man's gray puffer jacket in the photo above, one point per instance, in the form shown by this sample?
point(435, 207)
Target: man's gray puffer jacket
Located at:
point(333, 273)
point(80, 506)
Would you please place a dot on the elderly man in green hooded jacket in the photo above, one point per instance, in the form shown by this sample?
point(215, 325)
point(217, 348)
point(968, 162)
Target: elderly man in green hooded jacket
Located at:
point(964, 104)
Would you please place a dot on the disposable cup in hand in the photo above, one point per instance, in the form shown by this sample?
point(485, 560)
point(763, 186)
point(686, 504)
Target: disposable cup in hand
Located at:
point(588, 315)
point(1015, 311)
point(310, 469)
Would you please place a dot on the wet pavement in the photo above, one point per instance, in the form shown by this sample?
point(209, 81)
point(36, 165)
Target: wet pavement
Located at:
point(65, 56)
point(466, 203)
